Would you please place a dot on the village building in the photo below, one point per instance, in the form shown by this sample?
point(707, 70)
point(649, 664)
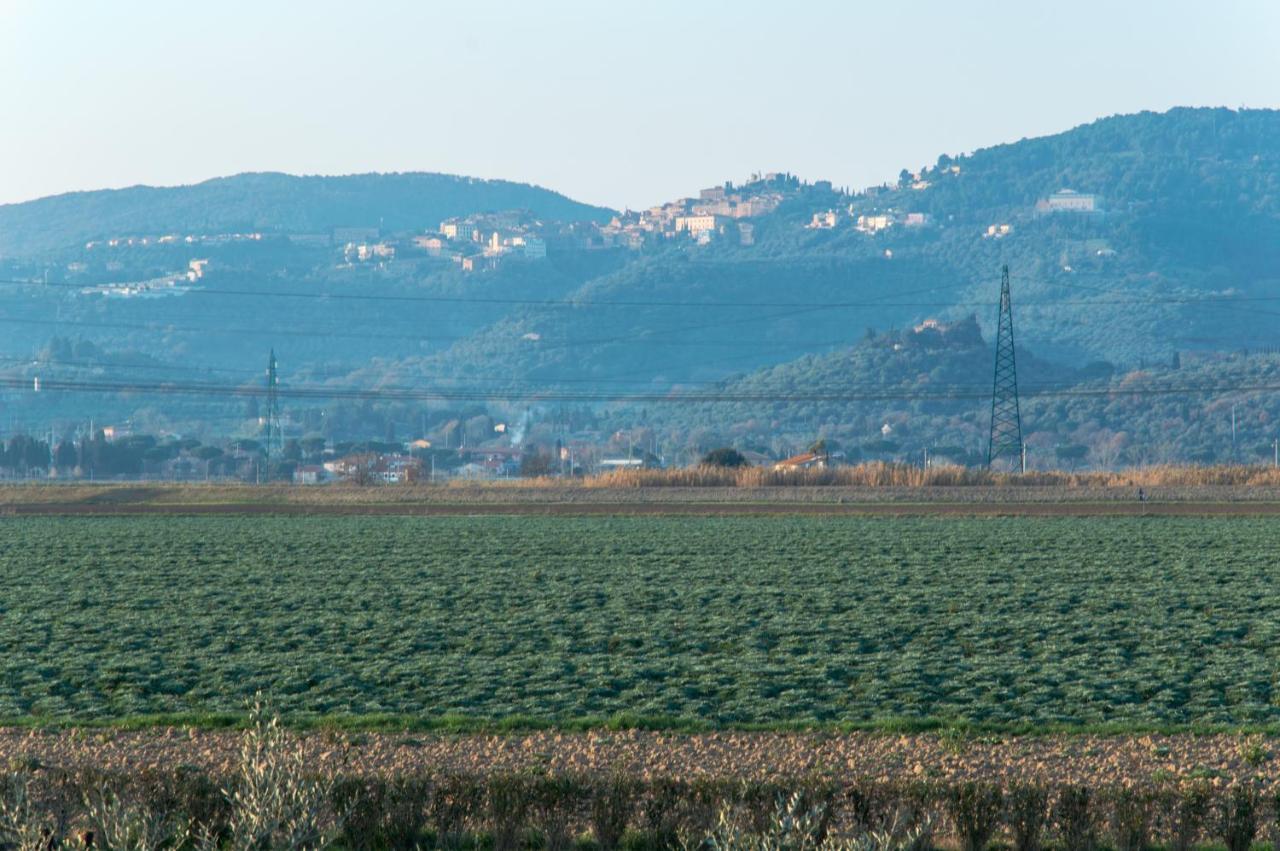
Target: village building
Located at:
point(1068, 201)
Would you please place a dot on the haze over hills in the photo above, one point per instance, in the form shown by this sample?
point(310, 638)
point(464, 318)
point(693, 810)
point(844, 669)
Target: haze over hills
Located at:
point(1166, 240)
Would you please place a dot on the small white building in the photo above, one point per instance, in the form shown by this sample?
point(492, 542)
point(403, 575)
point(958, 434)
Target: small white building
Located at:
point(453, 230)
point(1068, 201)
point(873, 224)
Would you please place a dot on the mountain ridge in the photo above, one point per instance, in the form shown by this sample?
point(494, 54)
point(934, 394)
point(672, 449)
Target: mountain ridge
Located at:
point(256, 201)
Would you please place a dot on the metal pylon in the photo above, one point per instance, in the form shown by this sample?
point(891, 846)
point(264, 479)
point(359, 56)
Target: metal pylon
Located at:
point(1006, 419)
point(274, 441)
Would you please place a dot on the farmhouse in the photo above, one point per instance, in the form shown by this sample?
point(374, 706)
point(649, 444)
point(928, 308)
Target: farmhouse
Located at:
point(803, 461)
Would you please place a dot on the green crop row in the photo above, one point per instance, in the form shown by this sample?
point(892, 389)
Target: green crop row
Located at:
point(698, 622)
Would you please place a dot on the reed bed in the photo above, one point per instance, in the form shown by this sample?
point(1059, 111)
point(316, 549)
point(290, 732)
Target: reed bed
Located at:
point(890, 475)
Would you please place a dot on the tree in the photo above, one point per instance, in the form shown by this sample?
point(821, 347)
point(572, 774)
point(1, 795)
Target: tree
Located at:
point(725, 456)
point(1071, 454)
point(65, 456)
point(534, 464)
point(313, 446)
point(207, 454)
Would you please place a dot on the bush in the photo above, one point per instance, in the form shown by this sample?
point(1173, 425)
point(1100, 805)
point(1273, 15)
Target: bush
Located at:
point(1028, 811)
point(555, 801)
point(454, 800)
point(661, 810)
point(275, 802)
point(612, 803)
point(1131, 819)
point(1074, 818)
point(725, 457)
point(509, 799)
point(1237, 822)
point(380, 813)
point(975, 810)
point(1186, 813)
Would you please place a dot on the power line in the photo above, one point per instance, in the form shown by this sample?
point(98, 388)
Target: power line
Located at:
point(588, 302)
point(956, 392)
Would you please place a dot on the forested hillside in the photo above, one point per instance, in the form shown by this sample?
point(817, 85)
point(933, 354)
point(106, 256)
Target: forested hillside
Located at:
point(274, 203)
point(1177, 253)
point(898, 395)
point(1181, 253)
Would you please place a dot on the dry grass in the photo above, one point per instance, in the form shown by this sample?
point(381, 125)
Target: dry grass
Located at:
point(881, 474)
point(862, 477)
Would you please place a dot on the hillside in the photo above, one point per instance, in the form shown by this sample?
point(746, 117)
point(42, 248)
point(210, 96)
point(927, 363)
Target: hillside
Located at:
point(895, 395)
point(1178, 255)
point(273, 203)
point(1181, 253)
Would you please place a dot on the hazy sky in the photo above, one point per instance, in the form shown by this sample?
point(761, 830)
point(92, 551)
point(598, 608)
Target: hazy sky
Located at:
point(620, 103)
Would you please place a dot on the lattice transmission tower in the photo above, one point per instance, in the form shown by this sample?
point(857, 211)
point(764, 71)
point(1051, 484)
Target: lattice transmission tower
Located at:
point(274, 440)
point(1006, 418)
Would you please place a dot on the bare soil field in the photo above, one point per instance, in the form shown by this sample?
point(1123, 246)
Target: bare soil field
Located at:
point(501, 498)
point(1094, 760)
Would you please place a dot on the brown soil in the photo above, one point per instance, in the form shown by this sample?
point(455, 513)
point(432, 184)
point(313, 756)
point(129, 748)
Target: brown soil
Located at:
point(106, 506)
point(1095, 760)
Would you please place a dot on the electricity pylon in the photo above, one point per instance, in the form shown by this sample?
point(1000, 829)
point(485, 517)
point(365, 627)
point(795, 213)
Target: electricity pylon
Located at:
point(273, 441)
point(1006, 418)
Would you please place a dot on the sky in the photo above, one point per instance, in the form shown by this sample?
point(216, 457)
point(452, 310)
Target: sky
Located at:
point(625, 104)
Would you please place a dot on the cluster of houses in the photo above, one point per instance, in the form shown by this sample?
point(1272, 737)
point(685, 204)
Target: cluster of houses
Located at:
point(171, 239)
point(1062, 201)
point(174, 284)
point(718, 212)
point(481, 241)
point(867, 223)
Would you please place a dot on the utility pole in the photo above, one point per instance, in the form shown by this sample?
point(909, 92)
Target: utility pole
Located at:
point(1006, 418)
point(1233, 433)
point(273, 413)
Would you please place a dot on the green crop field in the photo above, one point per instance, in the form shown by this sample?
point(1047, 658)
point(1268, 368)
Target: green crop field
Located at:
point(1140, 622)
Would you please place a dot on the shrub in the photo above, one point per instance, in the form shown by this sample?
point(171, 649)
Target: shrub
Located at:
point(661, 810)
point(381, 813)
point(700, 808)
point(868, 805)
point(724, 457)
point(555, 803)
point(1237, 821)
point(612, 803)
point(1074, 818)
point(975, 810)
point(1130, 819)
point(1186, 813)
point(509, 799)
point(1028, 811)
point(118, 824)
point(275, 803)
point(791, 827)
point(454, 800)
point(25, 826)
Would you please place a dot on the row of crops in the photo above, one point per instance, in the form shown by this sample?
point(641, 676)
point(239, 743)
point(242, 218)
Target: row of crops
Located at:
point(1138, 622)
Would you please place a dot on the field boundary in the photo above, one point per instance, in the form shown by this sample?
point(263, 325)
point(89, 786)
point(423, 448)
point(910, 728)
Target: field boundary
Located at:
point(930, 508)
